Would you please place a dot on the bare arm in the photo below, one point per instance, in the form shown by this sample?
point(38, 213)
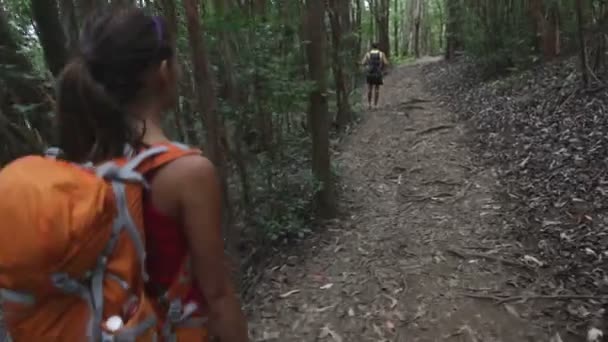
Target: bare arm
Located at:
point(200, 206)
point(365, 59)
point(384, 59)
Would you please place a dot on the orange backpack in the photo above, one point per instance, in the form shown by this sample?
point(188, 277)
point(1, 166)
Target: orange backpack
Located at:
point(72, 253)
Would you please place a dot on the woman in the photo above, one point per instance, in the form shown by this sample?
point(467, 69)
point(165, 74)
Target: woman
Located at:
point(116, 94)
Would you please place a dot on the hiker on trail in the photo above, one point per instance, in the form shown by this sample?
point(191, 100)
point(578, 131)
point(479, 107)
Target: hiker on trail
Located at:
point(376, 62)
point(72, 250)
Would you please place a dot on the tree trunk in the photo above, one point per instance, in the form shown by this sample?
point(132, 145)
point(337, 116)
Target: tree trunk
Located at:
point(88, 7)
point(203, 81)
point(348, 53)
point(168, 9)
point(358, 24)
point(581, 40)
point(317, 111)
point(263, 118)
point(452, 28)
point(231, 93)
point(70, 24)
point(396, 27)
point(122, 3)
point(417, 19)
point(50, 32)
point(207, 104)
point(551, 36)
point(343, 117)
point(383, 23)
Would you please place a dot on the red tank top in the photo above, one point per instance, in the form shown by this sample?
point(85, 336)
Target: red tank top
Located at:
point(166, 248)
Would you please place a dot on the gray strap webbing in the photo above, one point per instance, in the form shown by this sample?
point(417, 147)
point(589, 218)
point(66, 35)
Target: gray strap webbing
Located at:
point(123, 283)
point(141, 157)
point(124, 220)
point(16, 297)
point(128, 173)
point(53, 152)
point(176, 318)
point(180, 145)
point(68, 285)
point(128, 151)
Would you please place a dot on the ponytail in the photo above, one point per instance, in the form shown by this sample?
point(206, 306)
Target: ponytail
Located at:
point(91, 125)
point(95, 89)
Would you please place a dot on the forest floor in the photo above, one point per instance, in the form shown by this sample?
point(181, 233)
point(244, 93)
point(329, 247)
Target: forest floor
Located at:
point(420, 237)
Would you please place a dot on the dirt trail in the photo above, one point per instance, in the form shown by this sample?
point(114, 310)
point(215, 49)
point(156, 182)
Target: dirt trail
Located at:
point(385, 272)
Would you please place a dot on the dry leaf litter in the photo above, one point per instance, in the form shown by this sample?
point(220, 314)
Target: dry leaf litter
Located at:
point(548, 138)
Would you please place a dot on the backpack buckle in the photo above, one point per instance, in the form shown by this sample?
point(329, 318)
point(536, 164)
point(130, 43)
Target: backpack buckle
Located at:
point(174, 314)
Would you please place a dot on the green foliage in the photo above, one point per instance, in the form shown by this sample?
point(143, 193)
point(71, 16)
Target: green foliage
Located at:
point(501, 35)
point(497, 45)
point(285, 187)
point(269, 65)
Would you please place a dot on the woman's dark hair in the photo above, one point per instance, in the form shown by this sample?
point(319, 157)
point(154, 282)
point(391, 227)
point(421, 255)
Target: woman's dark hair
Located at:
point(375, 45)
point(94, 89)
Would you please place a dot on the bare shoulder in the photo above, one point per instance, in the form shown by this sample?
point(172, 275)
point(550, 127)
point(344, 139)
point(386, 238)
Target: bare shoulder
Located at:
point(190, 169)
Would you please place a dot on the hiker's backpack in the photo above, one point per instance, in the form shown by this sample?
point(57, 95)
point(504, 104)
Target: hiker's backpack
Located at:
point(72, 251)
point(374, 63)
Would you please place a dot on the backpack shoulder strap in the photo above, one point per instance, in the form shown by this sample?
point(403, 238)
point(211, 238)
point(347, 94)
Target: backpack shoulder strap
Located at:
point(174, 150)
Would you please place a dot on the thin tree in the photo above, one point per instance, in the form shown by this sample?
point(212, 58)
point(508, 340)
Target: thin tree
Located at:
point(581, 41)
point(318, 110)
point(168, 9)
point(50, 32)
point(336, 20)
point(204, 85)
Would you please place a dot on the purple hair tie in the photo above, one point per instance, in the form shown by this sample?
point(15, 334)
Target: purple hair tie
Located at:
point(158, 26)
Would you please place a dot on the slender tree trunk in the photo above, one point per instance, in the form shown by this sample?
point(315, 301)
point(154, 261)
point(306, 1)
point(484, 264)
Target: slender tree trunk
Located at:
point(231, 94)
point(50, 32)
point(383, 25)
point(263, 116)
point(122, 3)
point(417, 22)
point(551, 36)
point(343, 117)
point(396, 27)
point(207, 104)
point(317, 112)
point(70, 24)
point(452, 28)
point(538, 20)
point(203, 80)
point(88, 7)
point(581, 40)
point(168, 9)
point(358, 23)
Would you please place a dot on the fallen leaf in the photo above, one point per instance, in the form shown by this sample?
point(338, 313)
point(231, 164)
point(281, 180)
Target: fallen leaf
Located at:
point(556, 338)
point(510, 309)
point(327, 332)
point(327, 286)
point(323, 309)
point(529, 258)
point(287, 294)
point(394, 301)
point(266, 336)
point(594, 335)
